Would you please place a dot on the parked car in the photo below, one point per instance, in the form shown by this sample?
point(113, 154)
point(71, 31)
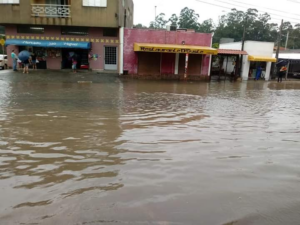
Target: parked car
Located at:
point(3, 62)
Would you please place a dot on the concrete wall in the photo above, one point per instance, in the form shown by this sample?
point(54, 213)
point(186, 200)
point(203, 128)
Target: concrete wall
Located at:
point(132, 36)
point(54, 33)
point(111, 16)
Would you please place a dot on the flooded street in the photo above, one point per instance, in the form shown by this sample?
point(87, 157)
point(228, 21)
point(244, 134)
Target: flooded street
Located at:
point(147, 152)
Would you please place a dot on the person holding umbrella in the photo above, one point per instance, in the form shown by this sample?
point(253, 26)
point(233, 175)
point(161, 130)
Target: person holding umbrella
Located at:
point(281, 73)
point(24, 56)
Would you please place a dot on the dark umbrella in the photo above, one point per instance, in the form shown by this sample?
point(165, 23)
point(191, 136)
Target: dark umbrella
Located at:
point(282, 63)
point(24, 55)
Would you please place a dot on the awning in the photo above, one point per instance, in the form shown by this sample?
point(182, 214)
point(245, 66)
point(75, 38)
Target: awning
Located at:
point(49, 44)
point(261, 59)
point(165, 48)
point(231, 52)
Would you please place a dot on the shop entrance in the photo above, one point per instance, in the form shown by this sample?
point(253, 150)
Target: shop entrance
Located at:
point(111, 58)
point(41, 55)
point(194, 66)
point(253, 69)
point(81, 56)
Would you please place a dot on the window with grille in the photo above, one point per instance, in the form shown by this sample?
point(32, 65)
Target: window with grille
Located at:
point(111, 55)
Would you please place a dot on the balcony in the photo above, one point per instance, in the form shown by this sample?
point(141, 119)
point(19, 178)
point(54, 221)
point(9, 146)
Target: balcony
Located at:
point(51, 10)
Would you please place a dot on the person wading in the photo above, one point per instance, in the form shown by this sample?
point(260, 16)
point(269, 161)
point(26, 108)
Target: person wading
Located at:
point(14, 59)
point(281, 73)
point(26, 65)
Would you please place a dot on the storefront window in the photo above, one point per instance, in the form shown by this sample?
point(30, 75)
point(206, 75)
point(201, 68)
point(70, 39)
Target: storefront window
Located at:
point(110, 32)
point(81, 31)
point(23, 29)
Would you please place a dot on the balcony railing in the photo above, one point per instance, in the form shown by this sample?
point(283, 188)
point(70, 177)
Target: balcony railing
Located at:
point(50, 10)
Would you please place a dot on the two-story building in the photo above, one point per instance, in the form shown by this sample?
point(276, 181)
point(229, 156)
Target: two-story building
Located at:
point(57, 29)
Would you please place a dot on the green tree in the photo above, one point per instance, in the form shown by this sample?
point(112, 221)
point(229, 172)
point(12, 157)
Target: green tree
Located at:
point(174, 20)
point(160, 22)
point(207, 26)
point(189, 19)
point(140, 26)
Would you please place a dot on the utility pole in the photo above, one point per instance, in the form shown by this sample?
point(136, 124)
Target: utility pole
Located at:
point(278, 46)
point(287, 40)
point(243, 46)
point(155, 18)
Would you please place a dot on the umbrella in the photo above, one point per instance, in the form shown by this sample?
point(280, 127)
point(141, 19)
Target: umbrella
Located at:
point(282, 63)
point(24, 55)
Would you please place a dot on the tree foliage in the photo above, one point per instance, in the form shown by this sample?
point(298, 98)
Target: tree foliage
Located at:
point(231, 25)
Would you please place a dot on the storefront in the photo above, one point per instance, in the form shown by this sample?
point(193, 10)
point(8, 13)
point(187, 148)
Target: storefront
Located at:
point(95, 48)
point(156, 54)
point(260, 56)
point(54, 54)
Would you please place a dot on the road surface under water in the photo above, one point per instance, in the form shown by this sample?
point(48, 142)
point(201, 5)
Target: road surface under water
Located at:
point(142, 152)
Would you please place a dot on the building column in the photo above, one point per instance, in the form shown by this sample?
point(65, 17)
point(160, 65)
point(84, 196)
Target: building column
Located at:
point(121, 51)
point(176, 64)
point(268, 71)
point(245, 68)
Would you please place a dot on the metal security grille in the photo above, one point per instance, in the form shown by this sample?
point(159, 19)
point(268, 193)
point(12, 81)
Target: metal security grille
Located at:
point(111, 59)
point(111, 55)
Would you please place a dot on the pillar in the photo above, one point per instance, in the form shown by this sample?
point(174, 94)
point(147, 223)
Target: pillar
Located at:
point(245, 68)
point(268, 71)
point(176, 64)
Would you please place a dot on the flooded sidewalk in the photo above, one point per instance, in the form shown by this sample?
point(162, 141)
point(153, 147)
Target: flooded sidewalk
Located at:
point(147, 152)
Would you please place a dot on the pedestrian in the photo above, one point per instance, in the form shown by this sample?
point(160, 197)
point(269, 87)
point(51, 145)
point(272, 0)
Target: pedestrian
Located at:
point(20, 67)
point(281, 73)
point(26, 65)
point(74, 64)
point(258, 73)
point(14, 60)
point(33, 61)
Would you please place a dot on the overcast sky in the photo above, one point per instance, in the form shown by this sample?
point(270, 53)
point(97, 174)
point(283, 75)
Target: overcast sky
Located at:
point(279, 9)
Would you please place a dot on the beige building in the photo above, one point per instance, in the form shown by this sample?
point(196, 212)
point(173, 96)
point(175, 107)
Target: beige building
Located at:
point(93, 26)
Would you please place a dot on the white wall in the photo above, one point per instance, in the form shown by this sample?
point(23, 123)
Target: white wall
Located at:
point(258, 48)
point(233, 46)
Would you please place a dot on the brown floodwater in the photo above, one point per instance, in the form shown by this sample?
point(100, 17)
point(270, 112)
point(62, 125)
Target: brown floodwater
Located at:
point(144, 152)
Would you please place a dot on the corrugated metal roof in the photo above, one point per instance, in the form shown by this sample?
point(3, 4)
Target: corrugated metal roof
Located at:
point(231, 52)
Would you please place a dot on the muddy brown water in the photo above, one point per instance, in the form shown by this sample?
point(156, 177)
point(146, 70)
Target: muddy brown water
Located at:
point(143, 152)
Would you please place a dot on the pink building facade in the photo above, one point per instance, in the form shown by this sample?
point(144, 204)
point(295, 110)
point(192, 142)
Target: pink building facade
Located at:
point(104, 49)
point(165, 65)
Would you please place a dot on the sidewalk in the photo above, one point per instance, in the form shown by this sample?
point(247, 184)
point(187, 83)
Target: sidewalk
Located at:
point(58, 76)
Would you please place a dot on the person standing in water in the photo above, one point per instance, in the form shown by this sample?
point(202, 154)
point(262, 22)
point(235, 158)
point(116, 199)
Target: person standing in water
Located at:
point(14, 60)
point(258, 73)
point(281, 73)
point(33, 60)
point(26, 65)
point(74, 64)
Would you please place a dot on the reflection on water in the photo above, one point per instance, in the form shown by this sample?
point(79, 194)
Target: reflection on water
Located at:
point(135, 152)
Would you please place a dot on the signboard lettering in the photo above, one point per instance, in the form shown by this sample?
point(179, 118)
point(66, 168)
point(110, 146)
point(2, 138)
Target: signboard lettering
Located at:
point(172, 50)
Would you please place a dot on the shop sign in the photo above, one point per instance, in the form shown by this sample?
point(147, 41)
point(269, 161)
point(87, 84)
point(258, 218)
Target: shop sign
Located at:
point(172, 50)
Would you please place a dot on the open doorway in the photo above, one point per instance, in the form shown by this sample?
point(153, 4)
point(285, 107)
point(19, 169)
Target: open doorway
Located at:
point(81, 56)
point(253, 69)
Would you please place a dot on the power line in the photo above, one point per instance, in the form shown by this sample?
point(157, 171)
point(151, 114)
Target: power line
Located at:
point(276, 10)
point(259, 10)
point(225, 7)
